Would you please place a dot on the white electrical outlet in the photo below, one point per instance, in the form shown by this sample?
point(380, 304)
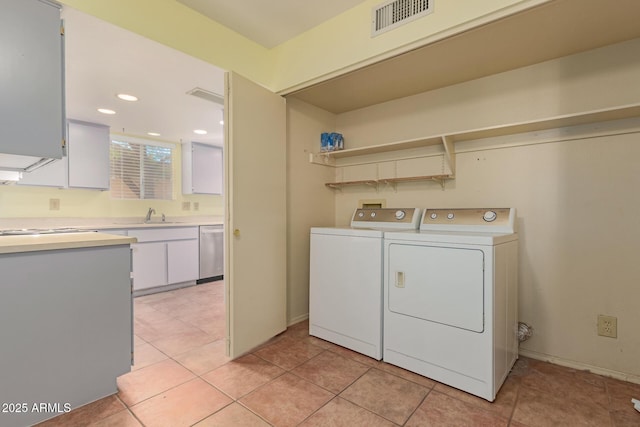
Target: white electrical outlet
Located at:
point(607, 326)
point(54, 204)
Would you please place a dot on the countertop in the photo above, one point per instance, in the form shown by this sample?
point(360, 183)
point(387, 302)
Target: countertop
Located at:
point(87, 235)
point(47, 242)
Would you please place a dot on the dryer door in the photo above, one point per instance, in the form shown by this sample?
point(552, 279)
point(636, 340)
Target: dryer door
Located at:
point(439, 284)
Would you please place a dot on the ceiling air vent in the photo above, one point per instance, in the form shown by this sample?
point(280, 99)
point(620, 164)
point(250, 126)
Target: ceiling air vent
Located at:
point(207, 95)
point(392, 14)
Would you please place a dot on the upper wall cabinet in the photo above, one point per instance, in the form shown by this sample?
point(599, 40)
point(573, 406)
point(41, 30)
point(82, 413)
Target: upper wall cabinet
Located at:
point(86, 165)
point(88, 155)
point(201, 169)
point(32, 121)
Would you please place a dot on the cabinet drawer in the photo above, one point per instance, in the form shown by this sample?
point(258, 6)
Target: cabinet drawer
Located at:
point(164, 234)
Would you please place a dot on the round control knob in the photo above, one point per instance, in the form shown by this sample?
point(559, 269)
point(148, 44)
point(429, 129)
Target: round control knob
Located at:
point(489, 216)
point(373, 214)
point(434, 215)
point(360, 214)
point(450, 216)
point(400, 215)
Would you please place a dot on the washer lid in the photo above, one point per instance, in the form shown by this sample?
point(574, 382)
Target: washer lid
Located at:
point(347, 231)
point(386, 218)
point(482, 220)
point(451, 237)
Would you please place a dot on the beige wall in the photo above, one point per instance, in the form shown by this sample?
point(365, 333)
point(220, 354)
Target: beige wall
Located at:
point(309, 202)
point(577, 213)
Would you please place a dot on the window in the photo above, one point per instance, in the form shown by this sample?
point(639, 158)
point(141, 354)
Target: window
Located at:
point(141, 169)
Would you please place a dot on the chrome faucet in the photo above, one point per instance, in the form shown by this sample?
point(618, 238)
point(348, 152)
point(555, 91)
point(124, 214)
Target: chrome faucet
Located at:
point(149, 212)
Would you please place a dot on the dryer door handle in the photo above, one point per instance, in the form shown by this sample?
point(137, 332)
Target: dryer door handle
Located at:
point(399, 279)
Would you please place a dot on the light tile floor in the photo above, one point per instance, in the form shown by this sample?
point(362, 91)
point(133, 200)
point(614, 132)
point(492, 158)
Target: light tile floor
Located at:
point(182, 378)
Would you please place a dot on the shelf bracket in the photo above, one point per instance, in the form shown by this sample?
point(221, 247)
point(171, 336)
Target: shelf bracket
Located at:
point(450, 153)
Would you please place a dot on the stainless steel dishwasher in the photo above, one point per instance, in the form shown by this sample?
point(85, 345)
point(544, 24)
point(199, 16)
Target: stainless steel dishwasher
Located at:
point(211, 253)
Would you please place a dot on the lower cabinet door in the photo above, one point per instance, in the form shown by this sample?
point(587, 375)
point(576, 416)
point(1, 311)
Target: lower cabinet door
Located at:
point(183, 261)
point(149, 265)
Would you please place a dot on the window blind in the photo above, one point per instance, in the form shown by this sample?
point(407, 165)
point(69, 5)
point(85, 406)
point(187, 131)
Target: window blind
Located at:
point(140, 170)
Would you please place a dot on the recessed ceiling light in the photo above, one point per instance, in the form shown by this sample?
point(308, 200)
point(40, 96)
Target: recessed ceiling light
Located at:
point(153, 134)
point(221, 122)
point(106, 111)
point(127, 97)
point(200, 132)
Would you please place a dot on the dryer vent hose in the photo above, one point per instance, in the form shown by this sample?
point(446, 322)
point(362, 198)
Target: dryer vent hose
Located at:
point(524, 331)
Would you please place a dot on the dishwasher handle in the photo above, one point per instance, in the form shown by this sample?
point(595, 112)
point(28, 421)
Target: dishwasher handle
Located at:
point(211, 230)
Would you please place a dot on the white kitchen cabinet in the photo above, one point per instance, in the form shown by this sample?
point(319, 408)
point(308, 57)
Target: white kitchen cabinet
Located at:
point(164, 256)
point(32, 84)
point(149, 265)
point(182, 261)
point(201, 169)
point(52, 175)
point(88, 155)
point(86, 164)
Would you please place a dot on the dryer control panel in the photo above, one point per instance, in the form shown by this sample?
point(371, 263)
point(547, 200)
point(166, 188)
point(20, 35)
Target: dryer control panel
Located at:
point(396, 218)
point(490, 220)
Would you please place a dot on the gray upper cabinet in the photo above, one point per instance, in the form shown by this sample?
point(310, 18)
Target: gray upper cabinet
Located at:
point(88, 155)
point(32, 121)
point(201, 169)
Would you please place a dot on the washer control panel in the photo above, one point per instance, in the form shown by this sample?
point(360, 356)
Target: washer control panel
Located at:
point(405, 218)
point(476, 219)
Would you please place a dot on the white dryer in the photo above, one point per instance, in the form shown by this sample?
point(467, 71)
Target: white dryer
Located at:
point(450, 298)
point(345, 278)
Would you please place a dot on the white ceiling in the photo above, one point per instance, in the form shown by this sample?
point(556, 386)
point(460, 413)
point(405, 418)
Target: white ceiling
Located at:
point(103, 60)
point(270, 23)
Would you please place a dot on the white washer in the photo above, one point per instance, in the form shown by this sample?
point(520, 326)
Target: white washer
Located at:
point(345, 278)
point(450, 298)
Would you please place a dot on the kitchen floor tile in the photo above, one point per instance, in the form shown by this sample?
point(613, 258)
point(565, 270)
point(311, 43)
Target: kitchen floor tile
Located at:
point(183, 405)
point(205, 358)
point(87, 414)
point(287, 400)
point(331, 371)
point(441, 410)
point(539, 409)
point(144, 383)
point(387, 395)
point(288, 352)
point(243, 375)
point(342, 413)
point(119, 419)
point(154, 330)
point(234, 415)
point(294, 378)
point(620, 395)
point(407, 375)
point(182, 342)
point(145, 355)
point(358, 357)
point(502, 405)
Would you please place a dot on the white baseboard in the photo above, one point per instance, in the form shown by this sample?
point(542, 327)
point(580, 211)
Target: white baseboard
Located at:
point(580, 366)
